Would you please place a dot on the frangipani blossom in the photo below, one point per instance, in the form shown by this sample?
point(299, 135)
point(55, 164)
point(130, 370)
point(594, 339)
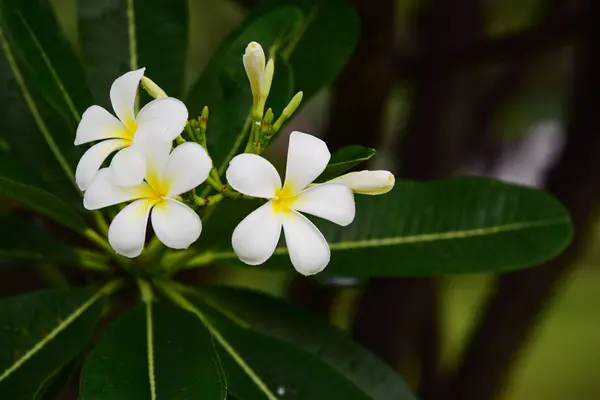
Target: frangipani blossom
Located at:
point(167, 176)
point(367, 182)
point(255, 238)
point(159, 120)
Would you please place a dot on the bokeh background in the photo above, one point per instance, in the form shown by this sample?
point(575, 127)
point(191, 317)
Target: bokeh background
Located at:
point(502, 88)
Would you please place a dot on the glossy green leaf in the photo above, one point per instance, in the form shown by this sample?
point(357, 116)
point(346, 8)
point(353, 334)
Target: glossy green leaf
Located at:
point(42, 202)
point(184, 362)
point(324, 43)
point(21, 239)
point(158, 41)
point(288, 323)
point(40, 333)
point(344, 159)
point(464, 225)
point(224, 88)
point(44, 92)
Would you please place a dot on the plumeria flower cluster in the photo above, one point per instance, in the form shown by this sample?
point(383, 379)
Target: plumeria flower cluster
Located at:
point(158, 180)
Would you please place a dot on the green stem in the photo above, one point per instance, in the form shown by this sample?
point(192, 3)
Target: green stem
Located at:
point(207, 201)
point(179, 140)
point(176, 297)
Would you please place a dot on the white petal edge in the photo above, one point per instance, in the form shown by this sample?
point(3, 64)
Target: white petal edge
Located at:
point(164, 119)
point(123, 93)
point(306, 160)
point(96, 124)
point(331, 201)
point(127, 232)
point(103, 192)
point(367, 182)
point(175, 224)
point(187, 167)
point(255, 238)
point(128, 167)
point(254, 176)
point(92, 160)
point(307, 247)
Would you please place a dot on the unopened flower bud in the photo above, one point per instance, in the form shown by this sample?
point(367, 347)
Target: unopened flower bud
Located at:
point(260, 75)
point(367, 182)
point(288, 111)
point(152, 88)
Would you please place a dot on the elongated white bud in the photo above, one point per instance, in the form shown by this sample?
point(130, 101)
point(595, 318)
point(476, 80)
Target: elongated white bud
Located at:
point(152, 88)
point(260, 75)
point(367, 182)
point(254, 64)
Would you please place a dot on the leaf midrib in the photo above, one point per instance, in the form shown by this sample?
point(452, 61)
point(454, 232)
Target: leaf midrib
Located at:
point(208, 257)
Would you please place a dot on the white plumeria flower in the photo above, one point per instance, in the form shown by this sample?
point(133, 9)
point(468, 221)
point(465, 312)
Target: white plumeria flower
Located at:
point(255, 238)
point(367, 182)
point(162, 119)
point(167, 176)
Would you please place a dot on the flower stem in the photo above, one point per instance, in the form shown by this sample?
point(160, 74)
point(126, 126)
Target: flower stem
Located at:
point(208, 201)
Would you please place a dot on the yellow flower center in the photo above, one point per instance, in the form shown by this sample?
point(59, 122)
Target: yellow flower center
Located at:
point(284, 199)
point(131, 127)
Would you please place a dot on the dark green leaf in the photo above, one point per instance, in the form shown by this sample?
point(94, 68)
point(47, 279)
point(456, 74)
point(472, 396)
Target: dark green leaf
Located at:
point(344, 159)
point(160, 42)
point(290, 324)
point(23, 240)
point(44, 92)
point(286, 370)
point(224, 88)
point(464, 225)
point(40, 333)
point(326, 41)
point(185, 363)
point(42, 202)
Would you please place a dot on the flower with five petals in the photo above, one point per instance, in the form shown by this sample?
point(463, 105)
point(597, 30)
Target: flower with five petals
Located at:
point(167, 176)
point(162, 119)
point(255, 238)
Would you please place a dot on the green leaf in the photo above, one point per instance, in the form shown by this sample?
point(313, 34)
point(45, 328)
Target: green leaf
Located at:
point(464, 225)
point(184, 362)
point(22, 240)
point(40, 333)
point(323, 44)
point(119, 36)
point(42, 202)
point(43, 93)
point(278, 319)
point(344, 159)
point(224, 87)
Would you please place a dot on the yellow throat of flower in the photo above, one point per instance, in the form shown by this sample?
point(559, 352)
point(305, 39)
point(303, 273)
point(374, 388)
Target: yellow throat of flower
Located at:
point(284, 199)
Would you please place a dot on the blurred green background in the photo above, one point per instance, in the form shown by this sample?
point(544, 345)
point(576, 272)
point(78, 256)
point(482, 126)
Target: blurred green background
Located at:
point(562, 359)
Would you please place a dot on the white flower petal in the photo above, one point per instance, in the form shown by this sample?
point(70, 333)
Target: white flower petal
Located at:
point(97, 123)
point(128, 167)
point(163, 119)
point(92, 160)
point(331, 201)
point(175, 224)
point(255, 238)
point(122, 96)
point(306, 245)
point(127, 232)
point(254, 176)
point(367, 182)
point(187, 167)
point(103, 192)
point(307, 158)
